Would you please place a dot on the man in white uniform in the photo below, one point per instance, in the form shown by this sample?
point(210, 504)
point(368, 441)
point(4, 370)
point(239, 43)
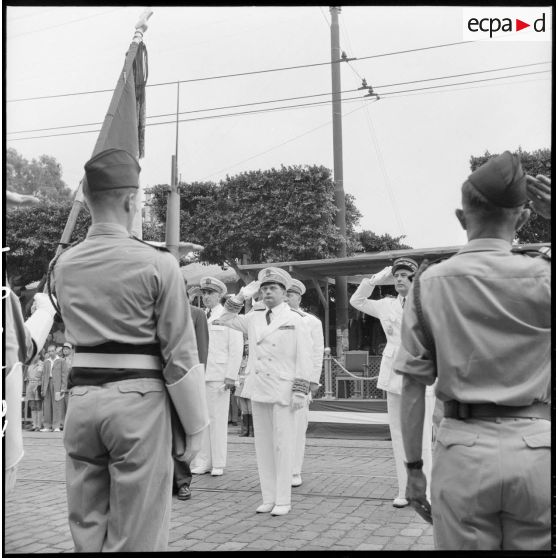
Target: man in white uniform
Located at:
point(389, 311)
point(223, 364)
point(280, 367)
point(294, 296)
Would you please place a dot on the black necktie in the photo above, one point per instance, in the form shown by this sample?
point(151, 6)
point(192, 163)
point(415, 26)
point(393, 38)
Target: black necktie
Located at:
point(403, 302)
point(209, 314)
point(267, 317)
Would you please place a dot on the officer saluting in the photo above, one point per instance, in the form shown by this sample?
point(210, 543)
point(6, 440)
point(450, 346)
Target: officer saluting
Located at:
point(484, 333)
point(279, 373)
point(124, 306)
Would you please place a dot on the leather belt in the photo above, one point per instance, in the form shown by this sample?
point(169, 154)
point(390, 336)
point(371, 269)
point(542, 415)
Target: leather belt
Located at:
point(462, 411)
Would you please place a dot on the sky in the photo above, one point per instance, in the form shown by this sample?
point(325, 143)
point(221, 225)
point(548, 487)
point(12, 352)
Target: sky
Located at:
point(405, 155)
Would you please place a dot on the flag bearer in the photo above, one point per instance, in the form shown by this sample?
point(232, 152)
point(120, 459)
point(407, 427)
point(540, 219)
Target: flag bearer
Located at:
point(124, 306)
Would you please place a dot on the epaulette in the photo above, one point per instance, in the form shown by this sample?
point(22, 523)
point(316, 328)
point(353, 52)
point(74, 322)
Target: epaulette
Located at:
point(544, 252)
point(258, 309)
point(310, 314)
point(298, 312)
point(163, 248)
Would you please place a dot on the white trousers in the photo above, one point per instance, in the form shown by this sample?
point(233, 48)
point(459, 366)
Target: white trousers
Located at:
point(394, 418)
point(213, 452)
point(301, 425)
point(274, 443)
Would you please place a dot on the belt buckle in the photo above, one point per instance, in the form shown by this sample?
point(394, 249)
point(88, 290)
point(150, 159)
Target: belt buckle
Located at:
point(463, 411)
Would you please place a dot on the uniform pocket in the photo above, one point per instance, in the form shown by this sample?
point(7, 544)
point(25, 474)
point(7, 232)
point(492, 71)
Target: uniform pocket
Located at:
point(141, 387)
point(79, 390)
point(449, 438)
point(540, 440)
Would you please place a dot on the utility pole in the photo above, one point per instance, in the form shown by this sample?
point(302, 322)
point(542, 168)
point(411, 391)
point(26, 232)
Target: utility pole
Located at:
point(341, 296)
point(172, 232)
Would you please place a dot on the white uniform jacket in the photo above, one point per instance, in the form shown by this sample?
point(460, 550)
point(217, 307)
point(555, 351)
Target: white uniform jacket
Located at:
point(277, 353)
point(226, 346)
point(390, 312)
point(317, 333)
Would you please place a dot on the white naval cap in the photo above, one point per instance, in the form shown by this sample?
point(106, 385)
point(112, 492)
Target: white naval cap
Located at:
point(213, 284)
point(275, 275)
point(297, 287)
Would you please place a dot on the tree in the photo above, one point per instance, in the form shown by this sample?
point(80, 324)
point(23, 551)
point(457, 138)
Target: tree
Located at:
point(536, 162)
point(371, 242)
point(41, 177)
point(33, 234)
point(262, 216)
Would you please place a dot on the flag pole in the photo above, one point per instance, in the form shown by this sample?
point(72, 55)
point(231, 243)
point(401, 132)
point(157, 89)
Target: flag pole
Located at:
point(127, 70)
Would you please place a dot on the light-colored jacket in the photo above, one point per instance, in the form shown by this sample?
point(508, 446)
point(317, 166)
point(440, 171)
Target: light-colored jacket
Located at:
point(278, 352)
point(390, 313)
point(316, 332)
point(225, 349)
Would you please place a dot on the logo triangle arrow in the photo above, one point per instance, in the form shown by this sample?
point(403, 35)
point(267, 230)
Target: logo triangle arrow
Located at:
point(519, 25)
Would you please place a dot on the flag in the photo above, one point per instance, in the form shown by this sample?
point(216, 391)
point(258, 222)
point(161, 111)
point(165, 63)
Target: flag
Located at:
point(124, 123)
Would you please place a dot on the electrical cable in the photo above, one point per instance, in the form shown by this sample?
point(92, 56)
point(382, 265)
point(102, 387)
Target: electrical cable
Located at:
point(393, 53)
point(285, 98)
point(302, 105)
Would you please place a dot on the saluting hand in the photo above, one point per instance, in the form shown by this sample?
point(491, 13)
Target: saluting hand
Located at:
point(381, 275)
point(250, 290)
point(540, 193)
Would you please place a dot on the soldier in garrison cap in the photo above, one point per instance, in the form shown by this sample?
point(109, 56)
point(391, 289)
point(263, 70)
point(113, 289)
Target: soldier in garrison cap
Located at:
point(294, 297)
point(478, 324)
point(278, 380)
point(223, 364)
point(126, 313)
point(389, 311)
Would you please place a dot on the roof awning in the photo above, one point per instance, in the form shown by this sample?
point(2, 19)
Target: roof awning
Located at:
point(358, 266)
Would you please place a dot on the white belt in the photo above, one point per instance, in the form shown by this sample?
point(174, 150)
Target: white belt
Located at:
point(105, 360)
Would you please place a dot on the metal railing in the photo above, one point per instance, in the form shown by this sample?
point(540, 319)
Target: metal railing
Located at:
point(339, 383)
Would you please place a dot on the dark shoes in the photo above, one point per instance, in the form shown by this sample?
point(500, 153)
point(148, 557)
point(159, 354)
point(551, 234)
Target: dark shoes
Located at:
point(184, 493)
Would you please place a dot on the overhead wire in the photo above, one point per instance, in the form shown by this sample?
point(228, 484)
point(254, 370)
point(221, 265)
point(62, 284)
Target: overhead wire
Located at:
point(273, 109)
point(268, 70)
point(375, 142)
point(224, 107)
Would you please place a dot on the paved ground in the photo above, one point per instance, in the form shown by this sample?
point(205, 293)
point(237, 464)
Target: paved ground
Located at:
point(344, 503)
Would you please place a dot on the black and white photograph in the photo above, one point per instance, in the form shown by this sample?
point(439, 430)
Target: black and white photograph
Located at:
point(278, 278)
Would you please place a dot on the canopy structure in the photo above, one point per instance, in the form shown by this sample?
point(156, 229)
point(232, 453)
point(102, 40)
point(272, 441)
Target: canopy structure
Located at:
point(353, 267)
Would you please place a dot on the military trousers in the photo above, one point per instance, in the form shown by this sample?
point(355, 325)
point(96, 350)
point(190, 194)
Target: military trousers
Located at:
point(213, 452)
point(491, 484)
point(274, 444)
point(119, 466)
point(301, 425)
point(53, 411)
point(394, 419)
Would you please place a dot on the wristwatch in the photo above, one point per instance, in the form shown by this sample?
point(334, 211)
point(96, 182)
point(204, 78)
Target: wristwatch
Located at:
point(414, 464)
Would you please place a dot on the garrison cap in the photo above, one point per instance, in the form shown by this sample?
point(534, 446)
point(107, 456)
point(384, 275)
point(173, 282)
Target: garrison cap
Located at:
point(275, 275)
point(501, 180)
point(404, 263)
point(213, 284)
point(297, 287)
point(112, 169)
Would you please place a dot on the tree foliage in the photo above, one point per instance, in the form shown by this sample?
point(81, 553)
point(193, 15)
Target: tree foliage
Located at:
point(372, 242)
point(40, 177)
point(536, 162)
point(33, 234)
point(273, 215)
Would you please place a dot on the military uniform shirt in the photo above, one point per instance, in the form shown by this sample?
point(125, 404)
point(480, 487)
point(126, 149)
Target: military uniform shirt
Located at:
point(489, 313)
point(113, 288)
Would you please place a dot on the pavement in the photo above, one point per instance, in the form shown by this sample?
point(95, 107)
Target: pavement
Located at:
point(344, 503)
